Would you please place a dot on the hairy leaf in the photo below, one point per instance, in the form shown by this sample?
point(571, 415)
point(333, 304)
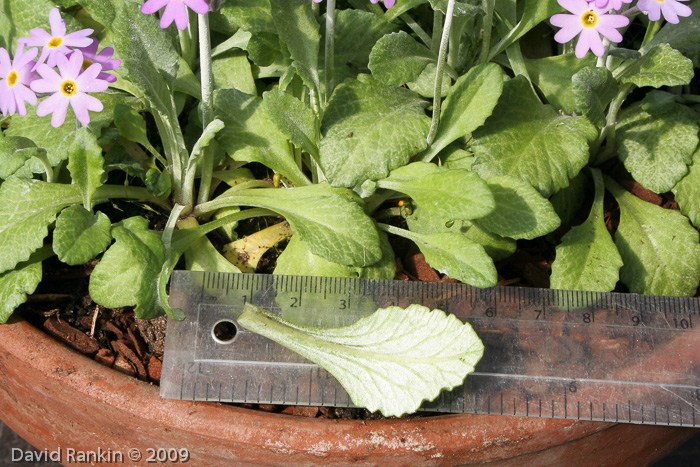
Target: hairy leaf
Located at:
point(660, 66)
point(81, 235)
point(398, 58)
point(85, 164)
point(687, 191)
point(390, 361)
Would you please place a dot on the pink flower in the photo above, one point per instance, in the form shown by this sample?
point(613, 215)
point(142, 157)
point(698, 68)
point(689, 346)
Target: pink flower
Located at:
point(104, 58)
point(69, 86)
point(588, 22)
point(14, 88)
point(58, 42)
point(611, 4)
point(175, 10)
point(671, 9)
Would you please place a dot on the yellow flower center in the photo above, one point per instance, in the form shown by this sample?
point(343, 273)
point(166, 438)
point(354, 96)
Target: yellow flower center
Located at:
point(55, 42)
point(68, 88)
point(589, 19)
point(86, 64)
point(12, 78)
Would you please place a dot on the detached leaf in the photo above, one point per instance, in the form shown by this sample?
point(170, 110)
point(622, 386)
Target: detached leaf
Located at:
point(587, 258)
point(531, 141)
point(81, 235)
point(398, 58)
point(657, 138)
point(520, 213)
point(659, 247)
point(471, 100)
point(85, 164)
point(660, 66)
point(447, 193)
point(390, 361)
point(129, 269)
point(27, 208)
point(687, 192)
point(370, 129)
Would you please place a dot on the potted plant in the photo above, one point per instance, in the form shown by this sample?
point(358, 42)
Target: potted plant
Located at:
point(462, 126)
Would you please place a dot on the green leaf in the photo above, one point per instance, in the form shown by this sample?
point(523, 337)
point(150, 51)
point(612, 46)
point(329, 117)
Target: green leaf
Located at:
point(293, 118)
point(660, 66)
point(233, 71)
point(16, 284)
point(298, 260)
point(447, 193)
point(18, 17)
point(531, 141)
point(100, 10)
point(27, 208)
point(462, 7)
point(587, 258)
point(568, 201)
point(370, 129)
point(398, 58)
point(15, 151)
point(299, 30)
point(658, 246)
point(202, 256)
point(593, 89)
point(356, 33)
point(520, 211)
point(687, 191)
point(534, 12)
point(129, 269)
point(327, 219)
point(250, 136)
point(423, 222)
point(131, 125)
point(85, 164)
point(657, 138)
point(552, 75)
point(81, 235)
point(249, 15)
point(470, 102)
point(390, 361)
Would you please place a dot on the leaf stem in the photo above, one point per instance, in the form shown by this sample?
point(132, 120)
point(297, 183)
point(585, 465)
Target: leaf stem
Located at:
point(437, 98)
point(207, 81)
point(489, 6)
point(415, 27)
point(129, 192)
point(329, 64)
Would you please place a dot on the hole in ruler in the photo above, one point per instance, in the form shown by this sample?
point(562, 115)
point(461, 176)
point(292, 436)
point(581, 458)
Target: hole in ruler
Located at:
point(224, 331)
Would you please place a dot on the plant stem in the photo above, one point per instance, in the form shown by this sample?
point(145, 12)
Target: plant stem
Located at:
point(607, 134)
point(652, 28)
point(437, 26)
point(489, 6)
point(129, 192)
point(330, 49)
point(415, 27)
point(603, 58)
point(207, 79)
point(437, 99)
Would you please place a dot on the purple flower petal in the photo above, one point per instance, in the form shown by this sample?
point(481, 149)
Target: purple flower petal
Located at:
point(58, 26)
point(151, 6)
point(198, 6)
point(81, 103)
point(5, 64)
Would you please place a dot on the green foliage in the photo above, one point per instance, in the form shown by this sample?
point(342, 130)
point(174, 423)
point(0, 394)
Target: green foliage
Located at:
point(80, 235)
point(398, 58)
point(390, 361)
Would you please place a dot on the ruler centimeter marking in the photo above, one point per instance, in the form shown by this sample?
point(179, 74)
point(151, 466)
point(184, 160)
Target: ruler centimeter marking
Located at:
point(548, 353)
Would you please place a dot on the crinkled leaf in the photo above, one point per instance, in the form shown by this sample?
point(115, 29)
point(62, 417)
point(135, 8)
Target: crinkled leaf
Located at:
point(27, 208)
point(249, 15)
point(552, 75)
point(299, 30)
point(390, 361)
point(85, 164)
point(660, 66)
point(587, 258)
point(100, 10)
point(593, 89)
point(447, 193)
point(293, 118)
point(298, 260)
point(250, 136)
point(520, 213)
point(17, 283)
point(398, 58)
point(80, 235)
point(327, 219)
point(531, 141)
point(470, 102)
point(129, 269)
point(423, 222)
point(356, 33)
point(233, 71)
point(15, 151)
point(658, 246)
point(370, 129)
point(687, 191)
point(657, 138)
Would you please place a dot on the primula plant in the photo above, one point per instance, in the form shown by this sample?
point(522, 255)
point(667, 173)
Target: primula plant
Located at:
point(155, 135)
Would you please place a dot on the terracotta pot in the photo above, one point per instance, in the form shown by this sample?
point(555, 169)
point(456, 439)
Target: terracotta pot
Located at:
point(58, 399)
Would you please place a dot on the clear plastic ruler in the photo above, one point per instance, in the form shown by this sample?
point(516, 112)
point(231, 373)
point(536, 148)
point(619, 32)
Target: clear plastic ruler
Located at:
point(548, 353)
